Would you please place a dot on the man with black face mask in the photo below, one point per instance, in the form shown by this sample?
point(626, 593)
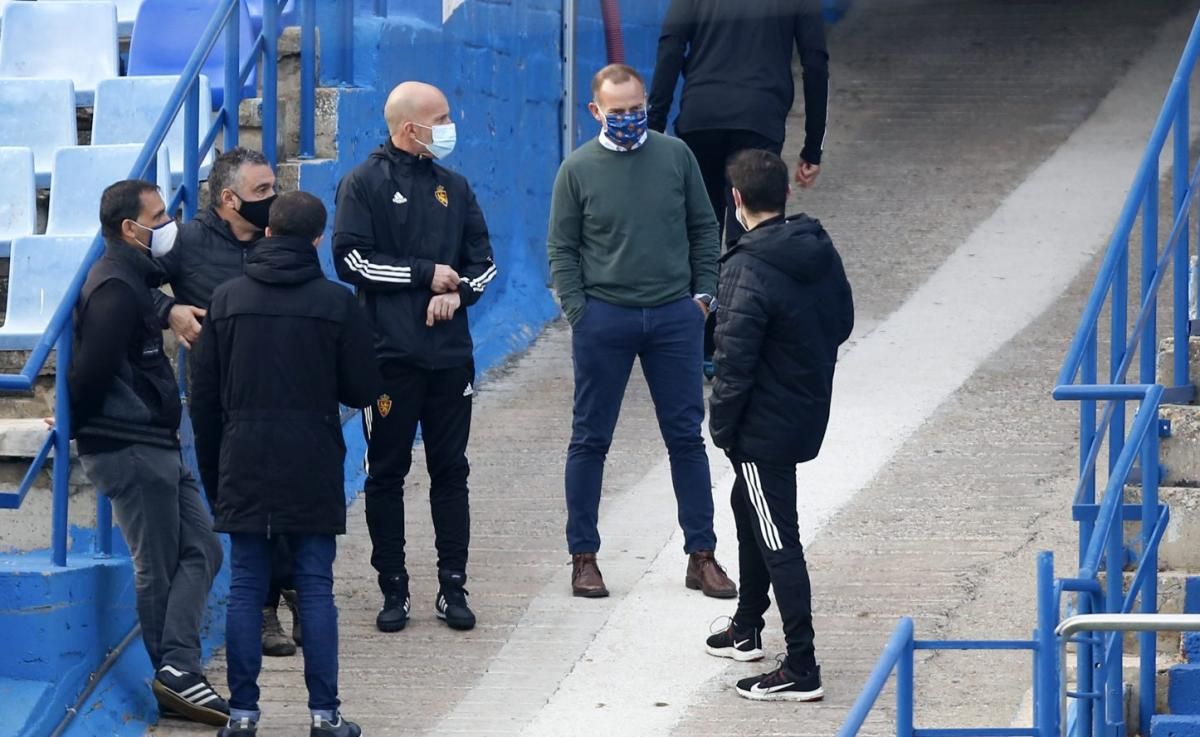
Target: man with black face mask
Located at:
point(211, 249)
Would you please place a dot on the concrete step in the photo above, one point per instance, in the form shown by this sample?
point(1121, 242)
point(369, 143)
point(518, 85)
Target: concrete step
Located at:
point(1180, 453)
point(1166, 359)
point(1183, 689)
point(1180, 547)
point(1174, 725)
point(1172, 595)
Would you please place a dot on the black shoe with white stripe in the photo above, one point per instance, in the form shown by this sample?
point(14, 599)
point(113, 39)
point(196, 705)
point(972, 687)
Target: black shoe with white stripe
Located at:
point(190, 696)
point(782, 684)
point(240, 728)
point(393, 617)
point(452, 601)
point(339, 727)
point(742, 645)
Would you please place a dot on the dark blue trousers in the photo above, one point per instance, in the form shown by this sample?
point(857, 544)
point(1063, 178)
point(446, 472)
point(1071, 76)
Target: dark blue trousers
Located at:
point(669, 341)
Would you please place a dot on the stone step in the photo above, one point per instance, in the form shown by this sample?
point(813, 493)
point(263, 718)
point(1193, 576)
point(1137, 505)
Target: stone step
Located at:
point(1166, 359)
point(1179, 548)
point(22, 438)
point(1172, 593)
point(1180, 453)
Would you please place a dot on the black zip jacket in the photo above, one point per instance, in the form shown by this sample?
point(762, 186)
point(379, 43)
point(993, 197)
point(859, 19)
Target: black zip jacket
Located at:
point(123, 390)
point(281, 347)
point(205, 256)
point(397, 216)
point(785, 307)
point(736, 59)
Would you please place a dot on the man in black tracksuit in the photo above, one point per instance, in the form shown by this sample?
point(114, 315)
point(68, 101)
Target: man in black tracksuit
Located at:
point(785, 308)
point(736, 58)
point(125, 413)
point(410, 236)
point(281, 347)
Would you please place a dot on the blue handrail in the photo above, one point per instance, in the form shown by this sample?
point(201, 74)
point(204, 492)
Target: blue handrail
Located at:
point(58, 335)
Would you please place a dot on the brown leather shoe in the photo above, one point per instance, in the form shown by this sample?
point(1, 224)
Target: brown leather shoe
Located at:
point(586, 580)
point(705, 574)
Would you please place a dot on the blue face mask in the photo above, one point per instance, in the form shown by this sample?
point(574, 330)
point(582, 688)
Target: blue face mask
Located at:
point(626, 129)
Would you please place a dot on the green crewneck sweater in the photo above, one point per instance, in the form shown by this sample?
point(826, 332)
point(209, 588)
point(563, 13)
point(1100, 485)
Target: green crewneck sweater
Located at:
point(632, 228)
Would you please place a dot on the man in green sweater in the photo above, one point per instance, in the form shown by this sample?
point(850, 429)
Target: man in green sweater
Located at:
point(633, 247)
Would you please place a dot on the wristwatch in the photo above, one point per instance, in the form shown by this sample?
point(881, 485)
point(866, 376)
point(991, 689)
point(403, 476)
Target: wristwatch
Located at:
point(709, 301)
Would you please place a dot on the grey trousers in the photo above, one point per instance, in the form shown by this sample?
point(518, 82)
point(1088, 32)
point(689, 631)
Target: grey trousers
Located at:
point(175, 552)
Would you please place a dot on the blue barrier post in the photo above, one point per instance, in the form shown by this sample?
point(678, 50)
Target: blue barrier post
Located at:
point(1182, 248)
point(308, 78)
point(62, 445)
point(900, 641)
point(233, 73)
point(1120, 316)
point(1046, 685)
point(1148, 353)
point(1114, 700)
point(191, 151)
point(103, 526)
point(904, 691)
point(1148, 641)
point(270, 82)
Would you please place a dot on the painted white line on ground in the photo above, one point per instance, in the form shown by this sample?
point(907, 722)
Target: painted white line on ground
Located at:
point(630, 665)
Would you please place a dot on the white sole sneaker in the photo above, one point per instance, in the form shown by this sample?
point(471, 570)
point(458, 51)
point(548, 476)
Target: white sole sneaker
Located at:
point(742, 656)
point(816, 695)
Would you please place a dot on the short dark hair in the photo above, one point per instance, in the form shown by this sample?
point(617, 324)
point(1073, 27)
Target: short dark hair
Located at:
point(120, 202)
point(227, 166)
point(617, 74)
point(298, 214)
point(762, 179)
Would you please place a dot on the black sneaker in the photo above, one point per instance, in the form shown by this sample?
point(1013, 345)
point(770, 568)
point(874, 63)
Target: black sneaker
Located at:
point(782, 684)
point(737, 644)
point(393, 617)
point(190, 696)
point(339, 727)
point(452, 601)
point(241, 728)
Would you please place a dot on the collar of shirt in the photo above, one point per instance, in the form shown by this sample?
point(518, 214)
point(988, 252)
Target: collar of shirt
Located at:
point(608, 143)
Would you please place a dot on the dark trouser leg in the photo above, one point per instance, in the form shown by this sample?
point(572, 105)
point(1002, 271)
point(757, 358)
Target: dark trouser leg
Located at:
point(281, 572)
point(445, 430)
point(390, 426)
point(754, 582)
point(671, 358)
point(710, 149)
point(313, 561)
point(771, 492)
point(250, 568)
point(603, 346)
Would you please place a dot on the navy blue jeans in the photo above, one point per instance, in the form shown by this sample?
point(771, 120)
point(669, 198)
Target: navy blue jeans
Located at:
point(312, 572)
point(669, 341)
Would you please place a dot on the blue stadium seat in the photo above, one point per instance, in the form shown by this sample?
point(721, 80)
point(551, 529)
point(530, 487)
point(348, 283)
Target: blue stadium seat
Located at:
point(81, 174)
point(18, 195)
point(167, 32)
point(290, 16)
point(38, 114)
point(75, 41)
point(127, 11)
point(128, 107)
point(39, 272)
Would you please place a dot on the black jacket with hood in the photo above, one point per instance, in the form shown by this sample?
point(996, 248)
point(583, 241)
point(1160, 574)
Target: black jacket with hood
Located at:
point(123, 390)
point(397, 217)
point(206, 255)
point(281, 347)
point(784, 307)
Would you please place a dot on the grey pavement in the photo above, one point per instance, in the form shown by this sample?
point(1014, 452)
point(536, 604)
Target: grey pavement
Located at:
point(941, 109)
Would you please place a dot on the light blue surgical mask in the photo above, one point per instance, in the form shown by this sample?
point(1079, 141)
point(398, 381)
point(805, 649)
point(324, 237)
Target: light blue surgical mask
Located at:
point(444, 138)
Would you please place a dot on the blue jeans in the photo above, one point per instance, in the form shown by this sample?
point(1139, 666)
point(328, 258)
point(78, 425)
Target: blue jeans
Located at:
point(669, 342)
point(312, 561)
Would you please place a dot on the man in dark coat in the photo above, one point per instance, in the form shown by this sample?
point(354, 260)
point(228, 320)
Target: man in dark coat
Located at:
point(281, 347)
point(785, 307)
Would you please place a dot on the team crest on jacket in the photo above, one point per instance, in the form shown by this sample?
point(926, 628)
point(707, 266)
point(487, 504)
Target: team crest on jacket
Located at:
point(384, 403)
point(440, 195)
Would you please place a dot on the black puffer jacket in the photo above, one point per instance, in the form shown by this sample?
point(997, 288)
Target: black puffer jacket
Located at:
point(784, 308)
point(282, 346)
point(205, 256)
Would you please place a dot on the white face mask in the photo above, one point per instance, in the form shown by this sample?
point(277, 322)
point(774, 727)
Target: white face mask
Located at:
point(444, 138)
point(162, 238)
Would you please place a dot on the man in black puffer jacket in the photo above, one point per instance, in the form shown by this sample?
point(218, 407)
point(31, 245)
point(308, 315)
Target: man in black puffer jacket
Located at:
point(785, 307)
point(281, 347)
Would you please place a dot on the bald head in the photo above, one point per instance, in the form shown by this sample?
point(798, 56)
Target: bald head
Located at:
point(411, 110)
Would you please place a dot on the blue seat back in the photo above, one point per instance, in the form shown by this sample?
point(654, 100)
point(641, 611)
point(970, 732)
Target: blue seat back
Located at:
point(82, 174)
point(40, 271)
point(55, 40)
point(18, 195)
point(38, 114)
point(168, 31)
point(128, 107)
point(127, 11)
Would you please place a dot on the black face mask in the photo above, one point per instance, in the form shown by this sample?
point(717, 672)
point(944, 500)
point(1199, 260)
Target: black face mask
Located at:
point(258, 212)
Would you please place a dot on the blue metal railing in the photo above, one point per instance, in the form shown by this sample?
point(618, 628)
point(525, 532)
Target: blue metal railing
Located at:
point(59, 332)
